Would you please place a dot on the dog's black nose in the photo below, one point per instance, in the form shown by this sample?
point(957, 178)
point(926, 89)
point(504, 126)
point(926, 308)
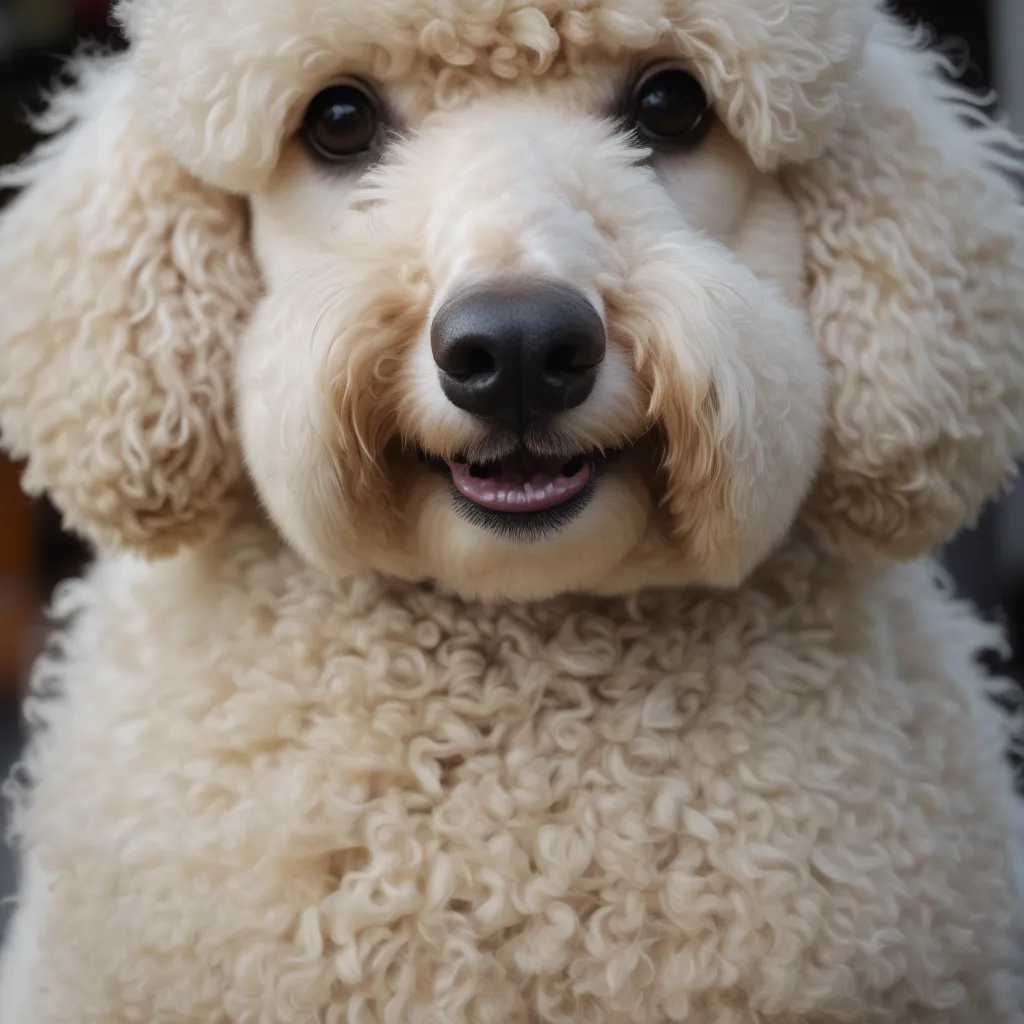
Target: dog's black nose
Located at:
point(517, 354)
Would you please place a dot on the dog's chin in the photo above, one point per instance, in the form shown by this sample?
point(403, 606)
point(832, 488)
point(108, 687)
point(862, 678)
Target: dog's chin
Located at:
point(519, 521)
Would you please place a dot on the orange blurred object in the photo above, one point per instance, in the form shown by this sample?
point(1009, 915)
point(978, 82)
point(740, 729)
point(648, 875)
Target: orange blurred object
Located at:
point(19, 590)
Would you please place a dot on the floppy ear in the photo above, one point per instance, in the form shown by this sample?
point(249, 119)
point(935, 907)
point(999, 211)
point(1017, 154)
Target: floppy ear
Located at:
point(124, 283)
point(915, 261)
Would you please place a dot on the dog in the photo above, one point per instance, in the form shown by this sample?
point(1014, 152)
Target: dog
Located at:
point(514, 435)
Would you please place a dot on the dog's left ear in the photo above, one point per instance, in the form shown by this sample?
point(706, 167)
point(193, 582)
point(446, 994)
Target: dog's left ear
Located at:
point(124, 283)
point(915, 264)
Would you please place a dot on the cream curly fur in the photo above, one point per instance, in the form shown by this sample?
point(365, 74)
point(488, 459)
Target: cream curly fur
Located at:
point(118, 332)
point(927, 385)
point(374, 802)
point(708, 753)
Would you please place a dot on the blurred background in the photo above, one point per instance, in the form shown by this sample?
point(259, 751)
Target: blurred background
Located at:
point(36, 35)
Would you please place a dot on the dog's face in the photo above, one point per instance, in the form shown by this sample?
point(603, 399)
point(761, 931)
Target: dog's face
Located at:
point(531, 333)
point(513, 294)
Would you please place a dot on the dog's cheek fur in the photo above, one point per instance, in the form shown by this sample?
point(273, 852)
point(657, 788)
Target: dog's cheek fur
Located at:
point(738, 390)
point(319, 384)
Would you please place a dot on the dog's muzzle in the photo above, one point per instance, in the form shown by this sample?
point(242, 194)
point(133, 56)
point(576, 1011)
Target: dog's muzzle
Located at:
point(516, 354)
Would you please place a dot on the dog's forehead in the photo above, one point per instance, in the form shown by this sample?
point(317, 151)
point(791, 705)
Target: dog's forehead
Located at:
point(778, 70)
point(423, 25)
point(462, 31)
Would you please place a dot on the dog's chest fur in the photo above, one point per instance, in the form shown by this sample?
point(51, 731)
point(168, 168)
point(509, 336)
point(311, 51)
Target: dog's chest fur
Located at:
point(374, 798)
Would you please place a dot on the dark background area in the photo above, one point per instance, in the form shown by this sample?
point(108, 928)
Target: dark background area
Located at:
point(35, 37)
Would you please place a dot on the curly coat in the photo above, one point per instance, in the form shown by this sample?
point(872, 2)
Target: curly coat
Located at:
point(308, 747)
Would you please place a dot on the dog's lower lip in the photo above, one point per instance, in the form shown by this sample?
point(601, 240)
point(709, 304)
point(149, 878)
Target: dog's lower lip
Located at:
point(521, 486)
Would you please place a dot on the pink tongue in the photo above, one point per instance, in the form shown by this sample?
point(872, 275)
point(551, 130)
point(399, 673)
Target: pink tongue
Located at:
point(512, 490)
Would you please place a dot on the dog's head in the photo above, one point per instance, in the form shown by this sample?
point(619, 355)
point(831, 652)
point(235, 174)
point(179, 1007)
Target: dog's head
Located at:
point(519, 296)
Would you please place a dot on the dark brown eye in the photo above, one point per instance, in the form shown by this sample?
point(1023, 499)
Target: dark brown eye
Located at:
point(342, 122)
point(670, 109)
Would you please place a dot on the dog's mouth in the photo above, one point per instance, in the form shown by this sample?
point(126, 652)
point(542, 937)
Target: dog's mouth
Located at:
point(521, 495)
point(522, 483)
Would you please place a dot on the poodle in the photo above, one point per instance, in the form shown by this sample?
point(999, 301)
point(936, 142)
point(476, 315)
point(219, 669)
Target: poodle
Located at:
point(514, 434)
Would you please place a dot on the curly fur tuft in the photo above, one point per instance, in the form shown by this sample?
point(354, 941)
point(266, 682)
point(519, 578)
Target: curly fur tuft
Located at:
point(915, 252)
point(127, 283)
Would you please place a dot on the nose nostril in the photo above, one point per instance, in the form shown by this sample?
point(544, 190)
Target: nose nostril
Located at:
point(561, 360)
point(470, 359)
point(567, 359)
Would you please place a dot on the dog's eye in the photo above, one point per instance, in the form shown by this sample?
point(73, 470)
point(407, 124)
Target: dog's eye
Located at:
point(669, 108)
point(341, 122)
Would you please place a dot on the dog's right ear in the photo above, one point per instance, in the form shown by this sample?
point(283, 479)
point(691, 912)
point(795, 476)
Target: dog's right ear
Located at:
point(124, 284)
